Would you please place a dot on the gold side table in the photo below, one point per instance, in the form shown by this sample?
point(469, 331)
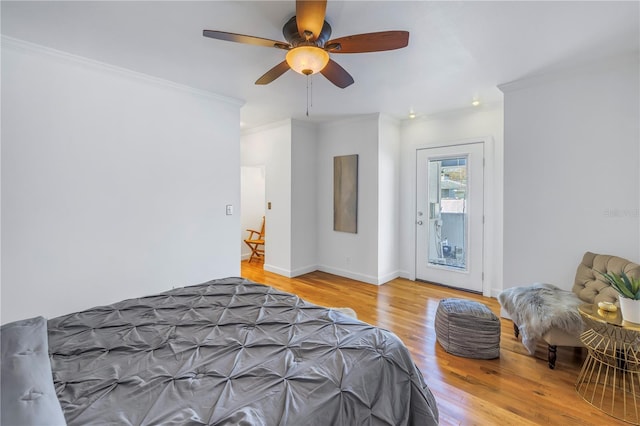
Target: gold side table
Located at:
point(610, 376)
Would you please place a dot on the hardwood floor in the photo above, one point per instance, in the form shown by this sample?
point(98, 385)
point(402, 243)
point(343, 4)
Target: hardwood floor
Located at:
point(516, 389)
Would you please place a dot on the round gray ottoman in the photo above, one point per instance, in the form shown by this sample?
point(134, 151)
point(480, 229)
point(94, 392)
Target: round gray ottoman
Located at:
point(467, 328)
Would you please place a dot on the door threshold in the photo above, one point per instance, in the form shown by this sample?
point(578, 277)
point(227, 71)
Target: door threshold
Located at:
point(466, 290)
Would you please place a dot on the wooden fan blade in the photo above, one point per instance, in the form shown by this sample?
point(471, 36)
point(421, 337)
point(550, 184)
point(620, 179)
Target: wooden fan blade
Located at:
point(371, 42)
point(337, 75)
point(310, 17)
point(246, 39)
point(274, 73)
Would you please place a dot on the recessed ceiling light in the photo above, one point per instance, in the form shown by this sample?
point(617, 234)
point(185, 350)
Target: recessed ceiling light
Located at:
point(412, 114)
point(475, 102)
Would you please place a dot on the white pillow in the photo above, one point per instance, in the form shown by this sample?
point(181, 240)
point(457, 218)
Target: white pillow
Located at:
point(28, 394)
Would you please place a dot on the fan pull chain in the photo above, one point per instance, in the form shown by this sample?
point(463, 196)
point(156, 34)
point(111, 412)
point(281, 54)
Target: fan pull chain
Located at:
point(309, 92)
point(308, 77)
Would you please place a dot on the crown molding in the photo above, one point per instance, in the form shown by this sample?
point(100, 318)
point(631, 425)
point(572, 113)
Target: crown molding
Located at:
point(268, 126)
point(560, 73)
point(310, 125)
point(389, 119)
point(315, 125)
point(25, 46)
point(454, 113)
point(350, 119)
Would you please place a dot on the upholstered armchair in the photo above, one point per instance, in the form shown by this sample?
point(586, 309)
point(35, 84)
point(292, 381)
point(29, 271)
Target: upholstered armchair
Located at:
point(589, 287)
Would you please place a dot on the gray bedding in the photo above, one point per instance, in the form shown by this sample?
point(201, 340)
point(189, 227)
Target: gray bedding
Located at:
point(232, 352)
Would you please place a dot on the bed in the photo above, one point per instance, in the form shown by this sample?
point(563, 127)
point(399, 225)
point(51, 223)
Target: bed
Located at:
point(226, 352)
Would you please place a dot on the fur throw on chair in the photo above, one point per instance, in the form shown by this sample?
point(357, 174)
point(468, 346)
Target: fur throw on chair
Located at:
point(538, 308)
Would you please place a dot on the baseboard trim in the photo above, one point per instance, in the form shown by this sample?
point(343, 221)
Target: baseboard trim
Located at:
point(348, 274)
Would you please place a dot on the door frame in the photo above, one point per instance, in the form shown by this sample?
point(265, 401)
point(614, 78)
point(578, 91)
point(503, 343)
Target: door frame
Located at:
point(491, 213)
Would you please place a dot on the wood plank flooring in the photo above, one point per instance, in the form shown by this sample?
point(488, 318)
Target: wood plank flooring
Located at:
point(516, 389)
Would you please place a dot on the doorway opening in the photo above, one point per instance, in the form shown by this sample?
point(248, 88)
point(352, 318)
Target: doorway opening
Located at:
point(253, 200)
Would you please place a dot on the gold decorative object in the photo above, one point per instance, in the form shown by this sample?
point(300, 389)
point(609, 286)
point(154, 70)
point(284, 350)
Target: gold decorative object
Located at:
point(610, 376)
point(607, 306)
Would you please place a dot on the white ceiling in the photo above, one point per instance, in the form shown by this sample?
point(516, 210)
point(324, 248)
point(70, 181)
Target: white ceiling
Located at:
point(457, 50)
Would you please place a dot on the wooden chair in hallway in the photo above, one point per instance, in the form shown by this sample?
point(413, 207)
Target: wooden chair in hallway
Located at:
point(256, 242)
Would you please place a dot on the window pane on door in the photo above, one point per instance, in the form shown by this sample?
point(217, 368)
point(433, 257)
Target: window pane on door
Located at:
point(447, 183)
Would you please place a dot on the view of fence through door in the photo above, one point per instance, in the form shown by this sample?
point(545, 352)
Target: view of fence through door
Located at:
point(449, 215)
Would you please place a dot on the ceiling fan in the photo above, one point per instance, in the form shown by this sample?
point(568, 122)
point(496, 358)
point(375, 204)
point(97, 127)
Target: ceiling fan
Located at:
point(308, 47)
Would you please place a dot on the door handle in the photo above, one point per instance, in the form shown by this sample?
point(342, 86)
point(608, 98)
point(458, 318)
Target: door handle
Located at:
point(419, 222)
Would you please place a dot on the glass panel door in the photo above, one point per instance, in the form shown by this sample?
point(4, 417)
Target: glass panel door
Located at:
point(448, 212)
point(449, 215)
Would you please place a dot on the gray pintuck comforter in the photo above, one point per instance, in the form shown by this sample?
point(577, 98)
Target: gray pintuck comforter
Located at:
point(232, 352)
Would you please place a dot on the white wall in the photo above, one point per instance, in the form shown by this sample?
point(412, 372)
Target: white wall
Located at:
point(342, 253)
point(572, 143)
point(474, 124)
point(302, 155)
point(384, 246)
point(303, 198)
point(388, 199)
point(114, 184)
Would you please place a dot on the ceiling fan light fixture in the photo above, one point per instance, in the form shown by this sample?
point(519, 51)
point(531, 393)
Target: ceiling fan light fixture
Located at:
point(307, 59)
